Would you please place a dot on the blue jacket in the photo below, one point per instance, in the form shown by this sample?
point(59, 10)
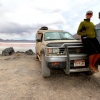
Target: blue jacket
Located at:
point(97, 29)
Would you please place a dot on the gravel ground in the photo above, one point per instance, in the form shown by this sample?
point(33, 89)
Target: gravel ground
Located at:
point(21, 79)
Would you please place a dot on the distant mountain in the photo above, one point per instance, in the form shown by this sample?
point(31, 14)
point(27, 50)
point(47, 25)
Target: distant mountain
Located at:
point(0, 39)
point(76, 36)
point(29, 41)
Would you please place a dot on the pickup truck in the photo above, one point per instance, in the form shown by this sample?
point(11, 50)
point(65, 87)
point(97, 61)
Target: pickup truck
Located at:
point(57, 49)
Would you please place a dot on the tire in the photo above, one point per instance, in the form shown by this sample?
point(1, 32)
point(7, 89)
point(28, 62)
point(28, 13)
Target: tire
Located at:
point(45, 69)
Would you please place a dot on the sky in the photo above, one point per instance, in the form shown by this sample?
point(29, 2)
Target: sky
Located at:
point(21, 19)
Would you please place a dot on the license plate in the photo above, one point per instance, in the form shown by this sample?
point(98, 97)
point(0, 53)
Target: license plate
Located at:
point(79, 63)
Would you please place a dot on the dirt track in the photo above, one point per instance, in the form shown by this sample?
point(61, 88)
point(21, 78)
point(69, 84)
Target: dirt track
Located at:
point(21, 79)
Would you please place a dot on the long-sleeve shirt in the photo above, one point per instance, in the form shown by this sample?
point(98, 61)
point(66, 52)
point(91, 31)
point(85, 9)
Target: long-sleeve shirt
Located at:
point(90, 29)
point(97, 29)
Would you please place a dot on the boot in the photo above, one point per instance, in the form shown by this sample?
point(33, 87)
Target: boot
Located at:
point(97, 56)
point(91, 67)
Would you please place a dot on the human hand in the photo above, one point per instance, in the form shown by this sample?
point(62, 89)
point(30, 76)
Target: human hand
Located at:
point(84, 31)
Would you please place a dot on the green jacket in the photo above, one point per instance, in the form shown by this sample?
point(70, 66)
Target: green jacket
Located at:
point(90, 29)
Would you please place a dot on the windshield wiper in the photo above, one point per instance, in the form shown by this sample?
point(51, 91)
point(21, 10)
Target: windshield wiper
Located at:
point(67, 39)
point(53, 39)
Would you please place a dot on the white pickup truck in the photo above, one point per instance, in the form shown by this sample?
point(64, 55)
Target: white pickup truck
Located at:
point(57, 49)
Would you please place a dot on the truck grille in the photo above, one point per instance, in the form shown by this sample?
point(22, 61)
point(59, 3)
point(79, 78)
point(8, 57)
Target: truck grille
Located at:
point(62, 51)
point(79, 50)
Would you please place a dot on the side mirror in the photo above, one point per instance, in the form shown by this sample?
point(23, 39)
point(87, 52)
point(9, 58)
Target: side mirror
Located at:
point(38, 40)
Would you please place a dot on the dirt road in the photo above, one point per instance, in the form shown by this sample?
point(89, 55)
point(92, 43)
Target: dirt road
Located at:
point(21, 79)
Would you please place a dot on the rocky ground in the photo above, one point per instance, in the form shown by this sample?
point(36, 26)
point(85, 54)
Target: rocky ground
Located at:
point(21, 79)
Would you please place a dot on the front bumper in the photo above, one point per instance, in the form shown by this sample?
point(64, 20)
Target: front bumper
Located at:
point(64, 58)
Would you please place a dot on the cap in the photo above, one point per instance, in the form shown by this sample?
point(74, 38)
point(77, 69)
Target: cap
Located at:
point(89, 12)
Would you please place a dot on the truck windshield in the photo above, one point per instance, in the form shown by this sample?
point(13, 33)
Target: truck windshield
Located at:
point(58, 36)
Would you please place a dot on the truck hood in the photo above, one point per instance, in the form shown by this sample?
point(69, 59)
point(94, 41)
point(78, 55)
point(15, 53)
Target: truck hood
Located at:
point(58, 43)
point(63, 41)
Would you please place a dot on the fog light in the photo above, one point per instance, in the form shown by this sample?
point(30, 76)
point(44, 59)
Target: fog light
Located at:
point(55, 63)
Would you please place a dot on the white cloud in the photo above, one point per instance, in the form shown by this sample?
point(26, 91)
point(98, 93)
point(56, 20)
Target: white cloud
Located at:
point(51, 5)
point(13, 36)
point(29, 14)
point(25, 17)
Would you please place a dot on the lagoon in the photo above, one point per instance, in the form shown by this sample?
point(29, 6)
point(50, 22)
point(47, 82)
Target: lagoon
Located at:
point(18, 46)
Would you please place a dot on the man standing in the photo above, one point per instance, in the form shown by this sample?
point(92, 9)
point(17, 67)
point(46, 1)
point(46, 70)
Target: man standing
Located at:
point(97, 28)
point(86, 30)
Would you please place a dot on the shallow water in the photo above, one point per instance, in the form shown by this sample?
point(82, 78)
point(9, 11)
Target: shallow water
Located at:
point(22, 47)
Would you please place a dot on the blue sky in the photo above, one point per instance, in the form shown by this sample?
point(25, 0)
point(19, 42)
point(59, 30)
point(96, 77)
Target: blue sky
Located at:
point(20, 19)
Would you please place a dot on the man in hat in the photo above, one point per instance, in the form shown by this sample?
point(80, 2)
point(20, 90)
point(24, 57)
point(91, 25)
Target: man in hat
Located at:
point(97, 28)
point(89, 40)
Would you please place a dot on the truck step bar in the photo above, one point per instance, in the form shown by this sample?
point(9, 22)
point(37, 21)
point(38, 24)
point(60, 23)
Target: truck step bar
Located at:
point(78, 70)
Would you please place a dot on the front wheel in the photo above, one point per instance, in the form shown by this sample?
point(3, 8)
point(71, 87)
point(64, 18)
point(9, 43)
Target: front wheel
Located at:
point(45, 69)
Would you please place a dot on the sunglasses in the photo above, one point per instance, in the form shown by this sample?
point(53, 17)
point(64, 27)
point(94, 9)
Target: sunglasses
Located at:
point(89, 13)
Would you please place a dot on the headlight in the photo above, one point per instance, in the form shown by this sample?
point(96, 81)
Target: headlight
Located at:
point(52, 50)
point(55, 50)
point(49, 50)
